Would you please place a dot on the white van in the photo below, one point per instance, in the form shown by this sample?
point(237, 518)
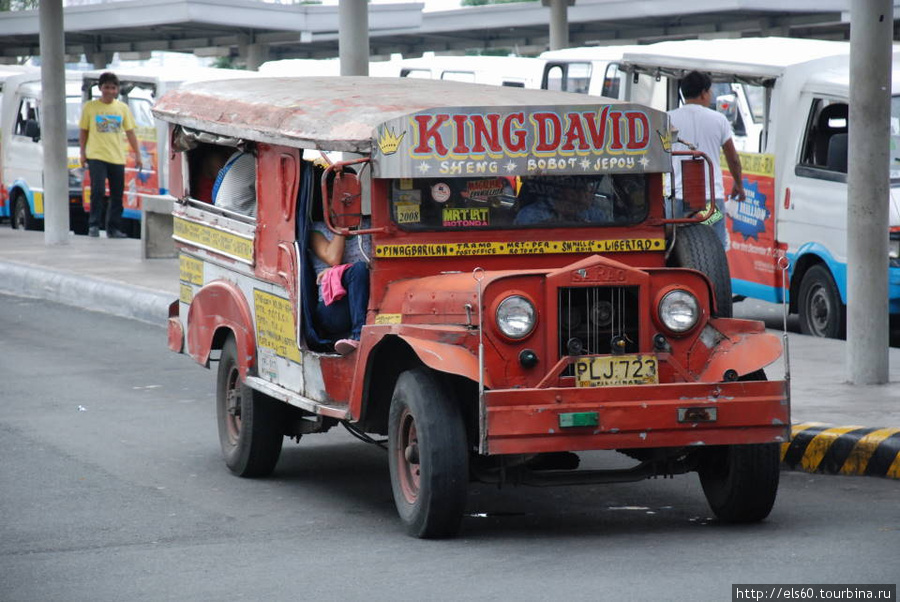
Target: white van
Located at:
point(23, 152)
point(6, 72)
point(787, 100)
point(594, 70)
point(513, 71)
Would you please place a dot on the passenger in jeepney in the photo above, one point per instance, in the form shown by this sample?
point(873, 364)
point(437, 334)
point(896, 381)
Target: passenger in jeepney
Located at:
point(207, 161)
point(341, 264)
point(565, 200)
point(235, 185)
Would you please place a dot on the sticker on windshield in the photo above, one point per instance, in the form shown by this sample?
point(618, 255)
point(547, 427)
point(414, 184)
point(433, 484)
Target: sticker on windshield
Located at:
point(466, 217)
point(440, 192)
point(408, 213)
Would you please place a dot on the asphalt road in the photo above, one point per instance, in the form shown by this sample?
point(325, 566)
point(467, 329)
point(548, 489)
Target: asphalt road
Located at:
point(112, 488)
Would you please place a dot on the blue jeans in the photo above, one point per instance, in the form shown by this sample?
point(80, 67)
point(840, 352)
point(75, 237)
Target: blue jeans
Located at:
point(718, 227)
point(347, 314)
point(100, 171)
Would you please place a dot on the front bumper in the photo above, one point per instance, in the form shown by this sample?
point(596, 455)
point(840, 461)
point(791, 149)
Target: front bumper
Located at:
point(524, 421)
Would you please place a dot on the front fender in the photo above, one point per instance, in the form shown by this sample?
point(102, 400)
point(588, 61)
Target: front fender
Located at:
point(446, 357)
point(744, 350)
point(221, 304)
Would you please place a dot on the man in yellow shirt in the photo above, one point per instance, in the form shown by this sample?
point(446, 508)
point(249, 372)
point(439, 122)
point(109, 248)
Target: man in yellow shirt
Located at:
point(102, 122)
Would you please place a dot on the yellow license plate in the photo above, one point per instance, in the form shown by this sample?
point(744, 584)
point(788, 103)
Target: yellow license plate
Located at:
point(616, 370)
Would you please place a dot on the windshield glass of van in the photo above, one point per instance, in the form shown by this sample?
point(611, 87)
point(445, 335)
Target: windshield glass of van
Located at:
point(895, 137)
point(488, 203)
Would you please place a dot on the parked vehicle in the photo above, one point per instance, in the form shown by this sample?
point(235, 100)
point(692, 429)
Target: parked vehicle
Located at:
point(529, 299)
point(139, 89)
point(6, 72)
point(513, 71)
point(787, 100)
point(23, 152)
point(594, 70)
point(517, 72)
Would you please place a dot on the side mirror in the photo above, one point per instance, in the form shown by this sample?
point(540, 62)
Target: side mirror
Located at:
point(346, 200)
point(727, 106)
point(33, 129)
point(693, 184)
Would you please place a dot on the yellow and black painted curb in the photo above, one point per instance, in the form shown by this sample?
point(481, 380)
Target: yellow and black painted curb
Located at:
point(848, 450)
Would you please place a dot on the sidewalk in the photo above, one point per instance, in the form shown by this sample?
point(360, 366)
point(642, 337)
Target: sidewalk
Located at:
point(108, 276)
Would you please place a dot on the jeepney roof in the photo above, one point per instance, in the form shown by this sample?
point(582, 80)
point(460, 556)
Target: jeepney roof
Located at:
point(754, 59)
point(332, 113)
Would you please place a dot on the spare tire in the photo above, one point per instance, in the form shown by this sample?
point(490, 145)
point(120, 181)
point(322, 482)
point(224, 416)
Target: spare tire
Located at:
point(698, 247)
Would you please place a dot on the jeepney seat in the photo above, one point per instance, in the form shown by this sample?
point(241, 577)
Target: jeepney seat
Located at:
point(832, 120)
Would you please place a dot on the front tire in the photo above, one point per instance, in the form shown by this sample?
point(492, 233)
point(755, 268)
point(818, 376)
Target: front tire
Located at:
point(428, 456)
point(698, 247)
point(821, 312)
point(741, 481)
point(249, 422)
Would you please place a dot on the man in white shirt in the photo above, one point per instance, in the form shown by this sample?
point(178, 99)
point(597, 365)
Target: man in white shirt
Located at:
point(708, 131)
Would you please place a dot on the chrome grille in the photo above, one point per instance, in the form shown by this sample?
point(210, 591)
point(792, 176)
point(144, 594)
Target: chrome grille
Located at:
point(593, 320)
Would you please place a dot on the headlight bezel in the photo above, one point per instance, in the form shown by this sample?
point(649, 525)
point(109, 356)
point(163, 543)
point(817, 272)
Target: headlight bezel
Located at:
point(506, 304)
point(666, 300)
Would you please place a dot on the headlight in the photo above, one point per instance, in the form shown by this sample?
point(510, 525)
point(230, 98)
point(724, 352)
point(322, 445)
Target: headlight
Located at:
point(516, 317)
point(679, 311)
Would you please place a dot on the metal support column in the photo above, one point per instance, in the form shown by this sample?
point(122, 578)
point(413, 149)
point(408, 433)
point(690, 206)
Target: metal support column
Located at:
point(53, 123)
point(871, 30)
point(559, 23)
point(354, 37)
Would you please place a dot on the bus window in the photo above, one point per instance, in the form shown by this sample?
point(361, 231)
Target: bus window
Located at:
point(459, 76)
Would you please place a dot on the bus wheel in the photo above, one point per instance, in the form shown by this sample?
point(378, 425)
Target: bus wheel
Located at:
point(428, 456)
point(249, 421)
point(821, 312)
point(741, 481)
point(22, 217)
point(698, 247)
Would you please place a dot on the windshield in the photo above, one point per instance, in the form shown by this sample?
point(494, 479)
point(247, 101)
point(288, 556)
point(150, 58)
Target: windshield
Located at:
point(488, 203)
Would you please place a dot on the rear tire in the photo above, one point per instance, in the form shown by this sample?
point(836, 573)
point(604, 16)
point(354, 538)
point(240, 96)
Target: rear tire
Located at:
point(821, 312)
point(698, 247)
point(428, 456)
point(250, 425)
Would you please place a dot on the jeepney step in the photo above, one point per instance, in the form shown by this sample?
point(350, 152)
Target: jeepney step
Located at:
point(332, 410)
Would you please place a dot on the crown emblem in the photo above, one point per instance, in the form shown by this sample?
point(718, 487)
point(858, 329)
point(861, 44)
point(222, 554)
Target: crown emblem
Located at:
point(389, 141)
point(667, 139)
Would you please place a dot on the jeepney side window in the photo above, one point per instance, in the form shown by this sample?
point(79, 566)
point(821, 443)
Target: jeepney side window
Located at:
point(490, 203)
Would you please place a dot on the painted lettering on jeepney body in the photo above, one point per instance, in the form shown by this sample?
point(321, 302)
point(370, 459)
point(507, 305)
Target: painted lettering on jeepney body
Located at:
point(511, 141)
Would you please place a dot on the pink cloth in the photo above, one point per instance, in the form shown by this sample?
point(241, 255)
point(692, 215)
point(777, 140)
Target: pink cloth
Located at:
point(332, 289)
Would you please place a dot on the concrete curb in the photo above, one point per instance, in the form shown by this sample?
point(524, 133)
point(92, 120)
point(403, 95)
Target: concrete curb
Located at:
point(848, 450)
point(94, 294)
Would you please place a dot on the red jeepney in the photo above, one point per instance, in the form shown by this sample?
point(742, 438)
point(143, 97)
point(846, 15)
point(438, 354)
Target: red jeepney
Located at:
point(529, 299)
